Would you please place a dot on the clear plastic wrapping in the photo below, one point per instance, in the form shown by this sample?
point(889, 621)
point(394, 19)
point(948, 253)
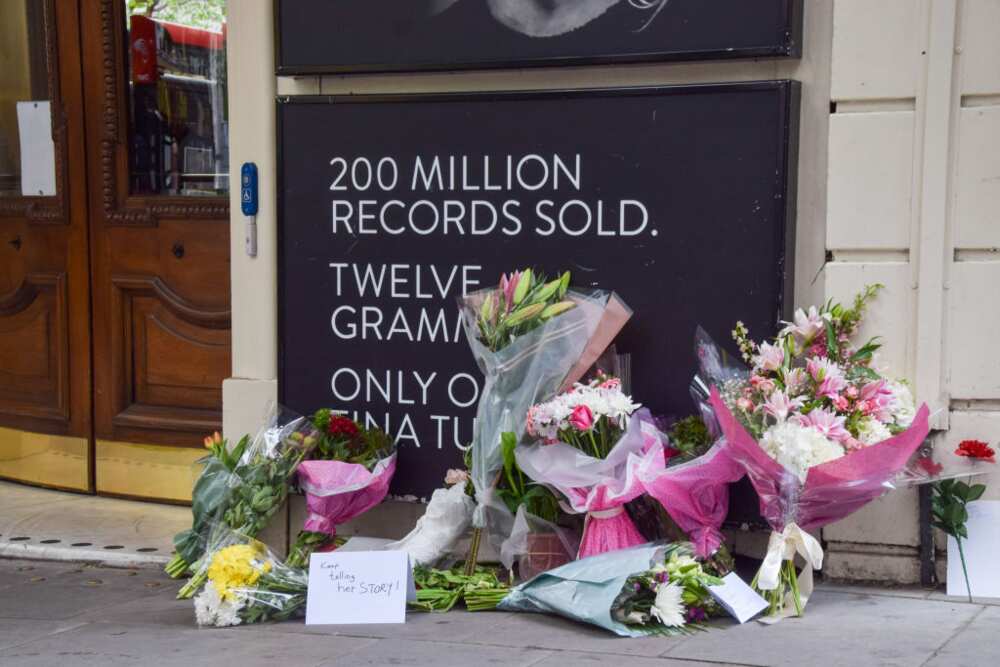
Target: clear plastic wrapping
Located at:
point(533, 367)
point(597, 487)
point(246, 583)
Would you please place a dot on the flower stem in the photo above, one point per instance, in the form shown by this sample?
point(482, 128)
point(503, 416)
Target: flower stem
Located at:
point(965, 571)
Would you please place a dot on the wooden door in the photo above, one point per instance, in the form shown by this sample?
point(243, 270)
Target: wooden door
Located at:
point(159, 238)
point(45, 374)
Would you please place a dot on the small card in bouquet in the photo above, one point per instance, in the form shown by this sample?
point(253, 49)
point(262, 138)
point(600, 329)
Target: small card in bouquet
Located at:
point(736, 597)
point(359, 587)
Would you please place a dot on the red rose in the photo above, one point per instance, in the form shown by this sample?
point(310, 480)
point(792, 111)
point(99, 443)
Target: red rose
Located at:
point(341, 425)
point(976, 449)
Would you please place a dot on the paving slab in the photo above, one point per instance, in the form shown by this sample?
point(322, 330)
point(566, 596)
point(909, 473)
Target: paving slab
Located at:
point(861, 629)
point(111, 645)
point(17, 631)
point(415, 653)
point(46, 524)
point(978, 643)
point(457, 626)
point(575, 659)
point(553, 632)
point(73, 591)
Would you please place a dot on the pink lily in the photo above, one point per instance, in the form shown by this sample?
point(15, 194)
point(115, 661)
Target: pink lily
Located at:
point(827, 423)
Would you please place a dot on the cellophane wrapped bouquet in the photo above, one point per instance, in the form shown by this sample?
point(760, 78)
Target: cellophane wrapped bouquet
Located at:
point(693, 487)
point(348, 473)
point(593, 445)
point(254, 485)
point(820, 430)
point(651, 589)
point(244, 582)
point(530, 337)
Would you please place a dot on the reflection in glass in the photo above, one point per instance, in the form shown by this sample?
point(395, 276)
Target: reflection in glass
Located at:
point(23, 77)
point(179, 140)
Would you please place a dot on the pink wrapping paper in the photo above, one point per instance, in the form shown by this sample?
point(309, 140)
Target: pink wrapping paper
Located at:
point(696, 495)
point(336, 491)
point(832, 490)
point(600, 487)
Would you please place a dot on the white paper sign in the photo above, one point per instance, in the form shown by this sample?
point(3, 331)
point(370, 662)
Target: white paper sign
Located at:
point(736, 597)
point(981, 549)
point(359, 587)
point(38, 153)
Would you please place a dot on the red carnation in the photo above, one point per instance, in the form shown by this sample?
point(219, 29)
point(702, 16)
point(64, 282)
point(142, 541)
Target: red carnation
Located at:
point(976, 449)
point(341, 425)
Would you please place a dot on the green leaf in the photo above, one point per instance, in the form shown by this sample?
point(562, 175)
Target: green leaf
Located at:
point(976, 492)
point(831, 340)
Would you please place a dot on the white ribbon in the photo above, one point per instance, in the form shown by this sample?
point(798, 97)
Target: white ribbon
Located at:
point(781, 547)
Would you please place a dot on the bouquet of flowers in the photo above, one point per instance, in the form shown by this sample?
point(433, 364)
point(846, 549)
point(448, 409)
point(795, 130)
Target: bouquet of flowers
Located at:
point(694, 489)
point(670, 598)
point(348, 473)
point(258, 483)
point(652, 589)
point(245, 583)
point(208, 499)
point(595, 447)
point(820, 431)
point(530, 337)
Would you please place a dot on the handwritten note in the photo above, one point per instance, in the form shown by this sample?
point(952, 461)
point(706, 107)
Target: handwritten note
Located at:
point(736, 597)
point(359, 587)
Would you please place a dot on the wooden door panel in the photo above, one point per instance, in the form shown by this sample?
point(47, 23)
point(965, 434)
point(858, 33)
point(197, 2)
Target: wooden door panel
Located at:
point(172, 357)
point(160, 273)
point(45, 372)
point(34, 346)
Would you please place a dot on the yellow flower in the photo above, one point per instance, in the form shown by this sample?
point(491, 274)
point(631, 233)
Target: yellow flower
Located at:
point(237, 566)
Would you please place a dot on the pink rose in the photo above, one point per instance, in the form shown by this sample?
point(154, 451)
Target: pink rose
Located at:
point(852, 392)
point(582, 419)
point(744, 404)
point(841, 403)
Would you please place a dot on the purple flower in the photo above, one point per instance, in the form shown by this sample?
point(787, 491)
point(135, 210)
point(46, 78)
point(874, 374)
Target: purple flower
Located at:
point(695, 615)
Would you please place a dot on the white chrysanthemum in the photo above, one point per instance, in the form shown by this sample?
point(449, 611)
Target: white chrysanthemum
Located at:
point(211, 609)
point(871, 431)
point(798, 447)
point(668, 608)
point(904, 408)
point(548, 418)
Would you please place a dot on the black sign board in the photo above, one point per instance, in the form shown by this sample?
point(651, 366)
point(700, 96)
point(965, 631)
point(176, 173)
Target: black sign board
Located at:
point(320, 36)
point(678, 198)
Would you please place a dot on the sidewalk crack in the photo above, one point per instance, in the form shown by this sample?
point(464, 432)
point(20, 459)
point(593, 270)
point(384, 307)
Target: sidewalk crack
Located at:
point(962, 628)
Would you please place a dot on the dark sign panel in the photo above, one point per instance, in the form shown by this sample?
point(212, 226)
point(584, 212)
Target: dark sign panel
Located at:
point(405, 35)
point(678, 198)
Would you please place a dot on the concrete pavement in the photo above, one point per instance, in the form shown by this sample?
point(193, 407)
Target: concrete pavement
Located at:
point(66, 614)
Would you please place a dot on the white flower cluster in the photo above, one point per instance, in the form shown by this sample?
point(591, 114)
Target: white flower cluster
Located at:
point(799, 447)
point(903, 408)
point(872, 431)
point(604, 399)
point(211, 609)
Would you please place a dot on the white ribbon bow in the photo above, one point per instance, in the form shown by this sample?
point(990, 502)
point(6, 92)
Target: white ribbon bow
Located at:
point(783, 546)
